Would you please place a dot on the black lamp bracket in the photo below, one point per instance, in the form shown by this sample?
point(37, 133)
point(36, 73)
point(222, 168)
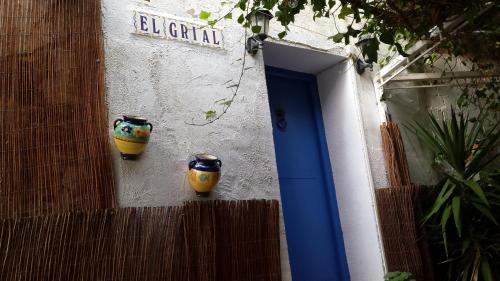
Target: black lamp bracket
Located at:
point(253, 45)
point(362, 65)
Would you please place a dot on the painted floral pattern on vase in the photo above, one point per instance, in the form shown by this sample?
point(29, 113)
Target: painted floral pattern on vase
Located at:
point(131, 136)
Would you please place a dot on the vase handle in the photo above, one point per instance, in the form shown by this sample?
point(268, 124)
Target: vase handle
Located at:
point(219, 162)
point(150, 127)
point(117, 122)
point(192, 164)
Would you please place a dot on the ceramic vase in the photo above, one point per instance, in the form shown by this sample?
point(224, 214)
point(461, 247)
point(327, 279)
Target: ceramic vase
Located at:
point(204, 173)
point(131, 136)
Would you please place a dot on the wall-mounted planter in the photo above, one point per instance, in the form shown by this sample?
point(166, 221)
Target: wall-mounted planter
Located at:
point(131, 136)
point(204, 173)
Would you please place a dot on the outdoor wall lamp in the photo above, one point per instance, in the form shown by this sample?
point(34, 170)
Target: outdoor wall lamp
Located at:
point(259, 21)
point(362, 64)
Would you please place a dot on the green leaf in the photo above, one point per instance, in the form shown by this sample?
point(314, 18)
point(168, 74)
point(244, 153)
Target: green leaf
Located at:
point(465, 272)
point(486, 212)
point(444, 220)
point(242, 4)
point(371, 50)
point(353, 32)
point(426, 136)
point(465, 245)
point(282, 34)
point(486, 270)
point(241, 19)
point(387, 37)
point(256, 29)
point(331, 4)
point(337, 38)
point(211, 114)
point(400, 49)
point(212, 22)
point(204, 15)
point(225, 102)
point(478, 191)
point(345, 11)
point(346, 39)
point(410, 44)
point(442, 198)
point(398, 276)
point(269, 4)
point(455, 203)
point(228, 16)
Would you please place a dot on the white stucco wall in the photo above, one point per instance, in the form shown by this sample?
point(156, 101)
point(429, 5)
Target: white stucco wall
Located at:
point(406, 105)
point(172, 82)
point(346, 133)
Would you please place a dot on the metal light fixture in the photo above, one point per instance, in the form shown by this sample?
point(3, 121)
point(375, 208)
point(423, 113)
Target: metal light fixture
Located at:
point(362, 63)
point(259, 20)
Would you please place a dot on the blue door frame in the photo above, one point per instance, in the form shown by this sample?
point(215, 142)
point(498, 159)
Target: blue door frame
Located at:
point(314, 263)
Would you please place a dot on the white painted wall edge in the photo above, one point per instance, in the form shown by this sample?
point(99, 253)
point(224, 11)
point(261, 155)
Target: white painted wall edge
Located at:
point(351, 169)
point(368, 165)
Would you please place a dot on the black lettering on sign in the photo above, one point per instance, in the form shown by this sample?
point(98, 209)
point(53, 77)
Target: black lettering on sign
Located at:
point(184, 31)
point(215, 39)
point(155, 31)
point(144, 23)
point(173, 29)
point(194, 33)
point(205, 37)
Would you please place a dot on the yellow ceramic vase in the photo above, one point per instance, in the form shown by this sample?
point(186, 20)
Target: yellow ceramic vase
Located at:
point(131, 136)
point(204, 173)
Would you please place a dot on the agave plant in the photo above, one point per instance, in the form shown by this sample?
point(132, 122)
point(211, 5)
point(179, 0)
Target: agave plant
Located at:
point(466, 211)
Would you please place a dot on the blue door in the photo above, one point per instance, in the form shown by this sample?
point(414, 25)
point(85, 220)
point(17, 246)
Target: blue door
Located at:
point(315, 243)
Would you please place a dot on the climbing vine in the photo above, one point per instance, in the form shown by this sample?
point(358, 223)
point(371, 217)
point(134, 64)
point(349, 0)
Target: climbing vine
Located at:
point(465, 28)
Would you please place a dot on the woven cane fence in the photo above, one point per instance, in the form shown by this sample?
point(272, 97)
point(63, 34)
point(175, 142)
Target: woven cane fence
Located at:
point(200, 241)
point(395, 156)
point(54, 145)
point(399, 211)
point(404, 246)
point(233, 241)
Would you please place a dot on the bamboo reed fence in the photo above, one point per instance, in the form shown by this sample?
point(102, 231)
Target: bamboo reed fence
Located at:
point(395, 156)
point(200, 241)
point(400, 232)
point(239, 240)
point(54, 144)
point(399, 211)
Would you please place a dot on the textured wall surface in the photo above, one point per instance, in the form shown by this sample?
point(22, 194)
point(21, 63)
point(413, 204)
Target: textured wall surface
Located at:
point(371, 127)
point(413, 105)
point(171, 83)
point(407, 106)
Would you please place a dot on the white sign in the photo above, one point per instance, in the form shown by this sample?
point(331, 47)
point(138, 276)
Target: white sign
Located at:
point(170, 27)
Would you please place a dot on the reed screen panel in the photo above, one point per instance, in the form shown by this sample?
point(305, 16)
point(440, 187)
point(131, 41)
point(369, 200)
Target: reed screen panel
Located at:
point(200, 241)
point(54, 144)
point(396, 163)
point(405, 249)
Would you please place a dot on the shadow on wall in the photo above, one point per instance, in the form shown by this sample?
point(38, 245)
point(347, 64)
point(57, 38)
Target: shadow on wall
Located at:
point(405, 106)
